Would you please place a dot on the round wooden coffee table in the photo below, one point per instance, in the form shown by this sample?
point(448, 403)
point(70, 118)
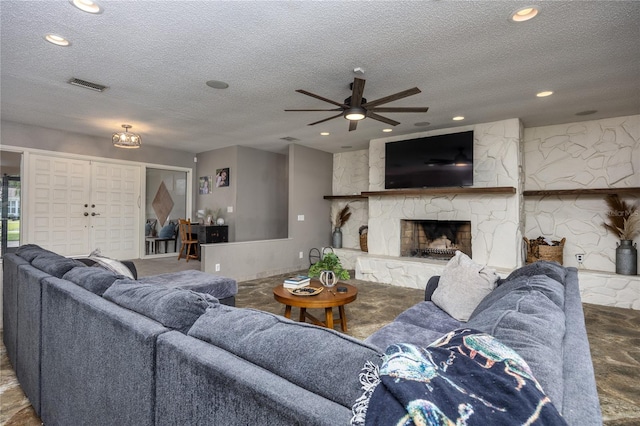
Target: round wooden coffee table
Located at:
point(327, 299)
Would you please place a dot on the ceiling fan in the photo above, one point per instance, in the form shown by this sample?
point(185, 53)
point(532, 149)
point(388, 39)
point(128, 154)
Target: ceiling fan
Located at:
point(356, 108)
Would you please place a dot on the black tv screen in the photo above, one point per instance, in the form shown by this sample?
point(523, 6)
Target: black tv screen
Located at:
point(434, 161)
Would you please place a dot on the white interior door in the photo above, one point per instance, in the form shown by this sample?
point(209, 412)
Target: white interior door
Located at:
point(77, 206)
point(115, 209)
point(58, 190)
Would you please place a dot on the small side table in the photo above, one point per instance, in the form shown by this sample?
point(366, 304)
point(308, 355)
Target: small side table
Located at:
point(327, 300)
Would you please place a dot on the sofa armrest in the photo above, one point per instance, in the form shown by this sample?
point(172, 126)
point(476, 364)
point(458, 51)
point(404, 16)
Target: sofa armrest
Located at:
point(432, 284)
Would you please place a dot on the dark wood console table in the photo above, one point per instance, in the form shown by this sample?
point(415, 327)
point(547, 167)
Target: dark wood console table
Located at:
point(207, 234)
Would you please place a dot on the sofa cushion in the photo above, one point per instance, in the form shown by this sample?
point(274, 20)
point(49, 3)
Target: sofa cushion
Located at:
point(314, 358)
point(54, 264)
point(533, 325)
point(216, 285)
point(428, 315)
point(402, 332)
point(172, 307)
point(462, 286)
point(29, 251)
point(96, 280)
point(552, 270)
point(549, 287)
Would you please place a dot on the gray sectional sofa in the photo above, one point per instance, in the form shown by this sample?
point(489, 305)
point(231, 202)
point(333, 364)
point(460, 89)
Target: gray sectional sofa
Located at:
point(91, 347)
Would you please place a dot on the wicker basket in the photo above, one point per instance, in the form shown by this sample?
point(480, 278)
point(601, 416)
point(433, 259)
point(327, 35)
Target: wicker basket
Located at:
point(536, 251)
point(363, 242)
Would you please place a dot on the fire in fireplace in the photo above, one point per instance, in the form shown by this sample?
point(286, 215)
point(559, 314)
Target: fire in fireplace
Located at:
point(435, 238)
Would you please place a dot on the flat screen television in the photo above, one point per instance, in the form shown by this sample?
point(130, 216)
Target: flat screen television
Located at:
point(434, 161)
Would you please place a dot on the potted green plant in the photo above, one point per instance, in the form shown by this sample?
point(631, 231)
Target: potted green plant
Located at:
point(624, 222)
point(326, 268)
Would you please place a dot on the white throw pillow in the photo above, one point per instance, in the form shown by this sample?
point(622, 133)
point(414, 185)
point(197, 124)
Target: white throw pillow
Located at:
point(112, 265)
point(462, 286)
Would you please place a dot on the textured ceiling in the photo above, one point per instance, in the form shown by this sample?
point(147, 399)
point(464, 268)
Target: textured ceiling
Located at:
point(466, 57)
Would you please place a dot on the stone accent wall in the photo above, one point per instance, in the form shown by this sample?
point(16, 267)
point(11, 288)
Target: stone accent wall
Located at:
point(590, 154)
point(495, 219)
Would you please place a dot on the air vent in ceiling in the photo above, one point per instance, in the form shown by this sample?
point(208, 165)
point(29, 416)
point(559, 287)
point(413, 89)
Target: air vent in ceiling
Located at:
point(289, 139)
point(88, 85)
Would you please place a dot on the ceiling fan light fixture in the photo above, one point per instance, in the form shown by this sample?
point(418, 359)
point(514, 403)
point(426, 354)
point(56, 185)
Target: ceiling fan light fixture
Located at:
point(126, 139)
point(355, 114)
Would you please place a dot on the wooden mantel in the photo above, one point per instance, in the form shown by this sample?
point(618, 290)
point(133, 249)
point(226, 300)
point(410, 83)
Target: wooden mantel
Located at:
point(442, 191)
point(426, 191)
point(585, 191)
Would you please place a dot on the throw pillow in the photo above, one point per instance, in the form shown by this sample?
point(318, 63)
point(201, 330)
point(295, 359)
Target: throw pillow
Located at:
point(462, 286)
point(168, 231)
point(112, 265)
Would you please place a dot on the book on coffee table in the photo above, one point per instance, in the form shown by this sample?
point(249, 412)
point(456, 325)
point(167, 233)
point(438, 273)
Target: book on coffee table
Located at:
point(297, 281)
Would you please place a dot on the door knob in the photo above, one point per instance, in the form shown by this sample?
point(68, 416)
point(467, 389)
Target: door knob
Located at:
point(86, 214)
point(95, 214)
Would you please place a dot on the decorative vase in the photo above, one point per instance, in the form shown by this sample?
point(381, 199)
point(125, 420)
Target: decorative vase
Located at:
point(209, 220)
point(626, 258)
point(337, 238)
point(328, 278)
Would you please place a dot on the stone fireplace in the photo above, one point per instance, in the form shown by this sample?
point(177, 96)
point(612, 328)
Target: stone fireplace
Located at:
point(434, 239)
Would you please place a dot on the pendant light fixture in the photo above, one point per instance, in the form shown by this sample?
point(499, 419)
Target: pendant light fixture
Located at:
point(126, 139)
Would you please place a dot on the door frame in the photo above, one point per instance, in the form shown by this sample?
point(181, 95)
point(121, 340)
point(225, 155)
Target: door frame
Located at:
point(25, 184)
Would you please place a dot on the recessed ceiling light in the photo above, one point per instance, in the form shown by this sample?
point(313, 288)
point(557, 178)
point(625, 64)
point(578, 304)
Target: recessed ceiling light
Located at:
point(87, 6)
point(524, 14)
point(458, 118)
point(387, 130)
point(588, 112)
point(544, 94)
point(422, 124)
point(215, 84)
point(324, 133)
point(57, 40)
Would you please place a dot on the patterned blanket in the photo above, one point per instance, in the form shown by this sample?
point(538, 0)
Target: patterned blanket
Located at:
point(464, 378)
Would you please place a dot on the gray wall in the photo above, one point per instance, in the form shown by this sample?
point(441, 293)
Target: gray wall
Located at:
point(257, 191)
point(262, 195)
point(219, 198)
point(26, 136)
point(310, 178)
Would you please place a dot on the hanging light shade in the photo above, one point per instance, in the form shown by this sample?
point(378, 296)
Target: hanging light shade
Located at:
point(126, 139)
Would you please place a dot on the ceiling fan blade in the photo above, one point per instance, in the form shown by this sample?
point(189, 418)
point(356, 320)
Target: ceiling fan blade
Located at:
point(334, 109)
point(400, 109)
point(381, 118)
point(313, 95)
point(391, 98)
point(356, 93)
point(326, 119)
point(353, 124)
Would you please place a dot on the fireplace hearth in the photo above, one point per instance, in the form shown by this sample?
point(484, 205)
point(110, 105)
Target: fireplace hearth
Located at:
point(435, 239)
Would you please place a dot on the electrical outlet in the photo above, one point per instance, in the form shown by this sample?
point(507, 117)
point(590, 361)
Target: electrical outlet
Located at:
point(301, 255)
point(580, 257)
point(217, 267)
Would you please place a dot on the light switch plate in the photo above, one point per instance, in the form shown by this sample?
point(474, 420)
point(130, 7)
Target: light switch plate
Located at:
point(230, 209)
point(300, 218)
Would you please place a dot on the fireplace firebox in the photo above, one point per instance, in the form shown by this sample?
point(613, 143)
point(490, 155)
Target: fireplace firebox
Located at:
point(437, 239)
